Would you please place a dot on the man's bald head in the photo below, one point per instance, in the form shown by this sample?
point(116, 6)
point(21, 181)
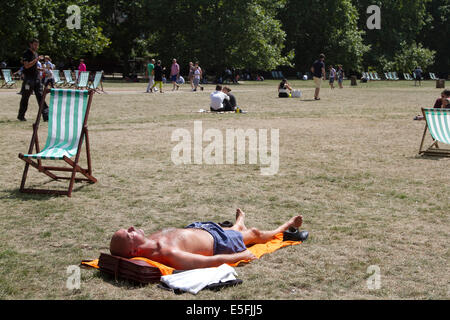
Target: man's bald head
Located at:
point(120, 244)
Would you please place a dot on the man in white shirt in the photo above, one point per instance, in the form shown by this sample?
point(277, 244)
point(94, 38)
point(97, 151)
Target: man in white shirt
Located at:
point(217, 98)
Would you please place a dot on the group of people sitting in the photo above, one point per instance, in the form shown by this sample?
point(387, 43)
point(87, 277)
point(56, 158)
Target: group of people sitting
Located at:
point(442, 102)
point(223, 100)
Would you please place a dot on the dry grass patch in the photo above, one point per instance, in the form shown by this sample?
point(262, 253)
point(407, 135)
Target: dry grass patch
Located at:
point(348, 163)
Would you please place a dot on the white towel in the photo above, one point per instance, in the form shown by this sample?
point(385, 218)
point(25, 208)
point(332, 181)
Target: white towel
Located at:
point(195, 280)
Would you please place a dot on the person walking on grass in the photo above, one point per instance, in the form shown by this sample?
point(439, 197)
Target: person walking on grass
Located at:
point(318, 71)
point(198, 75)
point(340, 76)
point(151, 75)
point(332, 76)
point(174, 74)
point(158, 72)
point(31, 82)
point(418, 76)
point(191, 74)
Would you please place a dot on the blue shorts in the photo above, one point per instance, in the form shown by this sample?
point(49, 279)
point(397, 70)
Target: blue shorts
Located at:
point(225, 241)
point(173, 78)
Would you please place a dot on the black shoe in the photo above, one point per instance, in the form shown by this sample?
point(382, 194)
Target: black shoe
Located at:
point(293, 234)
point(226, 224)
point(45, 120)
point(21, 119)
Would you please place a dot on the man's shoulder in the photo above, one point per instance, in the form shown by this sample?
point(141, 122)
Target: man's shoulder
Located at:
point(28, 53)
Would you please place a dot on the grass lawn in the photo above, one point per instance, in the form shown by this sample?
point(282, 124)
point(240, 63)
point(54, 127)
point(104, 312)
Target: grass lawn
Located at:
point(348, 163)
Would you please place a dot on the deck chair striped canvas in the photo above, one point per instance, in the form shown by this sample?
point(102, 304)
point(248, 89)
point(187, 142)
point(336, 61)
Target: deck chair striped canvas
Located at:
point(83, 80)
point(438, 123)
point(97, 84)
point(7, 79)
point(58, 82)
point(67, 129)
point(69, 81)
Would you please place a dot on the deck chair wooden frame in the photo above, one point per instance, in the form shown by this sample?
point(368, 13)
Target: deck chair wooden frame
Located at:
point(438, 123)
point(7, 79)
point(72, 110)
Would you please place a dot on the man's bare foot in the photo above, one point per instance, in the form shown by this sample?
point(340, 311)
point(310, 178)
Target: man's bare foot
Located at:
point(295, 222)
point(240, 216)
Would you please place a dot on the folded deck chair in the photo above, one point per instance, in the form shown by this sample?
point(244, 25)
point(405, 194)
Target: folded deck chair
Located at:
point(394, 74)
point(97, 84)
point(386, 76)
point(58, 82)
point(280, 75)
point(69, 81)
point(83, 80)
point(371, 76)
point(438, 123)
point(67, 130)
point(376, 76)
point(274, 75)
point(7, 79)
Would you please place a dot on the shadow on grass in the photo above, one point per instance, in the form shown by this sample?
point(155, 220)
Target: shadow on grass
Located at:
point(16, 194)
point(119, 282)
point(427, 157)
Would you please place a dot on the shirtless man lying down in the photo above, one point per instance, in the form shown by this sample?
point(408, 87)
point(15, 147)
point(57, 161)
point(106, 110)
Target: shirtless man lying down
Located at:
point(199, 245)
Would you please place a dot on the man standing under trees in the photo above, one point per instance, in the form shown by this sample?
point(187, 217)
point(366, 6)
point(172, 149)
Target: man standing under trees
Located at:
point(318, 71)
point(31, 81)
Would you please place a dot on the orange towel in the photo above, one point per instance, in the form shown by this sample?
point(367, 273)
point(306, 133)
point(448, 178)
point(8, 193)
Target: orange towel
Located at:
point(258, 250)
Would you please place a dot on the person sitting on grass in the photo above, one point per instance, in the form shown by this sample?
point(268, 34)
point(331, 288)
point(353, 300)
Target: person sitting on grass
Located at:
point(199, 245)
point(230, 104)
point(284, 89)
point(217, 99)
point(442, 102)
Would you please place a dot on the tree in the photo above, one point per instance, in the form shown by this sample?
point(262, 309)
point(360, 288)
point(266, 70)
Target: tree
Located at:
point(46, 20)
point(408, 58)
point(233, 33)
point(402, 21)
point(329, 27)
point(435, 34)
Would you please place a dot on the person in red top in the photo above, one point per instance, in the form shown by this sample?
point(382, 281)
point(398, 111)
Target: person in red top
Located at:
point(442, 102)
point(82, 66)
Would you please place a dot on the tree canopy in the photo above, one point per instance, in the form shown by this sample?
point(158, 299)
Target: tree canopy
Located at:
point(244, 34)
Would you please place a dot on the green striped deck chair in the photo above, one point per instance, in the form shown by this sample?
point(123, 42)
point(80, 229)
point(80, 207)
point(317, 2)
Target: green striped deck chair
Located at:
point(67, 130)
point(7, 79)
point(58, 81)
point(69, 81)
point(83, 80)
point(438, 123)
point(97, 83)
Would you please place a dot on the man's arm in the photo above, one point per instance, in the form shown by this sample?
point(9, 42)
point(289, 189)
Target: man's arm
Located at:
point(29, 64)
point(182, 260)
